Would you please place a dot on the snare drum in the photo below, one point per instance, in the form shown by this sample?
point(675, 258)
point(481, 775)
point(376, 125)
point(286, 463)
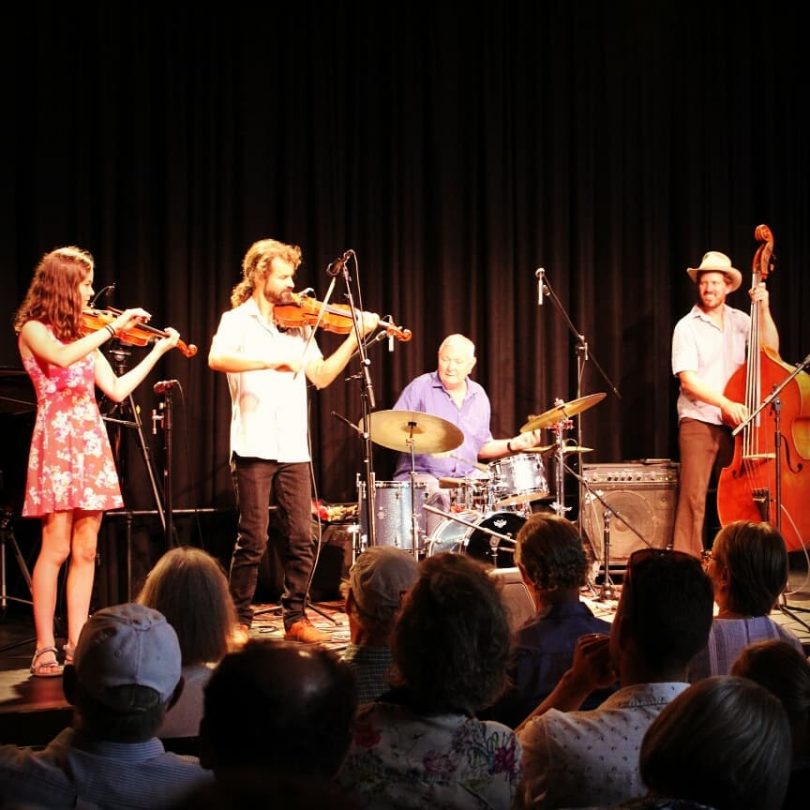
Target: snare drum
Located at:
point(392, 513)
point(518, 479)
point(462, 539)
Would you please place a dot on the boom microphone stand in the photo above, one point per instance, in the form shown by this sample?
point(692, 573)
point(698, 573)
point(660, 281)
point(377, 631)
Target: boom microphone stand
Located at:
point(583, 352)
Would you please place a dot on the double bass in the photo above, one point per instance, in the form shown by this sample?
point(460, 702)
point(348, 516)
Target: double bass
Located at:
point(767, 481)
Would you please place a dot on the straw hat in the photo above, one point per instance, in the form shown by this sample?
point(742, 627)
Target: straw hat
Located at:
point(716, 262)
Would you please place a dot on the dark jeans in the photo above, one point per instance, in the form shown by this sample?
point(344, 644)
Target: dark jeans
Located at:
point(258, 483)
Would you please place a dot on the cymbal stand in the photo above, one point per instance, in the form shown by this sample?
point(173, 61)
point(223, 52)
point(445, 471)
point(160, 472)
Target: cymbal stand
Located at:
point(559, 506)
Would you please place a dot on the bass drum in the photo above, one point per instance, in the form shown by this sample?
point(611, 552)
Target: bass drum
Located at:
point(461, 539)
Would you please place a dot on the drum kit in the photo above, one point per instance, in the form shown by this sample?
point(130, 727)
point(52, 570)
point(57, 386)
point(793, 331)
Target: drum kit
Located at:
point(486, 510)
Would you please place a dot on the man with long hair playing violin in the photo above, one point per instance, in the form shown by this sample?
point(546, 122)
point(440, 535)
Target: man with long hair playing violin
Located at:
point(71, 475)
point(269, 432)
point(708, 346)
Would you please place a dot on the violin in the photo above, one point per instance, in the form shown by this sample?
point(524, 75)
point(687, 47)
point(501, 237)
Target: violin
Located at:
point(302, 310)
point(139, 335)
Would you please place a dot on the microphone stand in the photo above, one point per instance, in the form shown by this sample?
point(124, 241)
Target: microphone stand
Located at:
point(367, 404)
point(607, 590)
point(166, 419)
point(583, 355)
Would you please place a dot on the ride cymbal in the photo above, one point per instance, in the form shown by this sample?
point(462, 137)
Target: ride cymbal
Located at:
point(560, 412)
point(397, 429)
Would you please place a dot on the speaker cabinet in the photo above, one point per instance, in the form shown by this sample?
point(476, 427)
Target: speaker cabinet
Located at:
point(519, 605)
point(639, 494)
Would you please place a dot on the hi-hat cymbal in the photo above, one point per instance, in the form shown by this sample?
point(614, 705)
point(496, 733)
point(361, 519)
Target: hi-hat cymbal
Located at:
point(560, 412)
point(551, 449)
point(396, 429)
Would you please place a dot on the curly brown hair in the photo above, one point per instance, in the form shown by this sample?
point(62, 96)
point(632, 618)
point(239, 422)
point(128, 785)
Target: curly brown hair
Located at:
point(451, 643)
point(256, 266)
point(53, 296)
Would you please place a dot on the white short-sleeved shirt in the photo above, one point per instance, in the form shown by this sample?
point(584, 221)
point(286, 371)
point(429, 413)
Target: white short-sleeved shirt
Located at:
point(268, 407)
point(714, 354)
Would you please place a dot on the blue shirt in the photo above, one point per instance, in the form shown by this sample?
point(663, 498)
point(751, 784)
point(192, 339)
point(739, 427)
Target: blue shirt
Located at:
point(427, 394)
point(544, 650)
point(76, 771)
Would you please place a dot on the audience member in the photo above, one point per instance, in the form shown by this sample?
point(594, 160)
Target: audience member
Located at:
point(707, 747)
point(578, 758)
point(420, 744)
point(748, 568)
point(277, 719)
point(785, 672)
point(189, 587)
point(553, 566)
point(377, 582)
point(125, 674)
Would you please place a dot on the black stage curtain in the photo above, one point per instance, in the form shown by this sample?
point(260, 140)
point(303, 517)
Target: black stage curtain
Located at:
point(455, 151)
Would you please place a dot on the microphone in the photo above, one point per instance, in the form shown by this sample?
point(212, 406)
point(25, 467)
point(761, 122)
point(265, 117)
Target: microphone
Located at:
point(165, 385)
point(336, 267)
point(102, 292)
point(540, 272)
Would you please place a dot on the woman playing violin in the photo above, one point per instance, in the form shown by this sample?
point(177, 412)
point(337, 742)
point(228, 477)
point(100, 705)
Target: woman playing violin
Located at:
point(269, 447)
point(71, 475)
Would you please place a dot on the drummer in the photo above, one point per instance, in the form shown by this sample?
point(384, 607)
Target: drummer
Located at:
point(450, 394)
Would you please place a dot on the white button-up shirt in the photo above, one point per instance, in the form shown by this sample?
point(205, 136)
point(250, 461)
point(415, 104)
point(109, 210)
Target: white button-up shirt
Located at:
point(714, 354)
point(268, 407)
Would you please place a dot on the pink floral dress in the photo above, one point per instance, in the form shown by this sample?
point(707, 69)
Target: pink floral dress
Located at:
point(70, 465)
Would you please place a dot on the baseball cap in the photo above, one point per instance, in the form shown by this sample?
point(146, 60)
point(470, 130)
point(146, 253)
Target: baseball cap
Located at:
point(128, 645)
point(379, 578)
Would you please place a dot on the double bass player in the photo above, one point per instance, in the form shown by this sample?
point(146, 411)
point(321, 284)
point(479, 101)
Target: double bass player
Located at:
point(708, 345)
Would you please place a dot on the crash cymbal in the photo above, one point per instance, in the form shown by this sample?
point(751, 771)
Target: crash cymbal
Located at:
point(560, 412)
point(430, 434)
point(550, 449)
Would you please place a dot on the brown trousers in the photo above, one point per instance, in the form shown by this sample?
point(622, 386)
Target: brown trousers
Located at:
point(704, 449)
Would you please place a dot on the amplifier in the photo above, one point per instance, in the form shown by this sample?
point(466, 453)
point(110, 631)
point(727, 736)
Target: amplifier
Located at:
point(647, 471)
point(640, 494)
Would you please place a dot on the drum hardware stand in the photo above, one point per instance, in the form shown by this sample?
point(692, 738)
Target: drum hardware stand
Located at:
point(583, 353)
point(559, 506)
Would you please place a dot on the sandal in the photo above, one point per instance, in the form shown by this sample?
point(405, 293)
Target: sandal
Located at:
point(69, 650)
point(46, 669)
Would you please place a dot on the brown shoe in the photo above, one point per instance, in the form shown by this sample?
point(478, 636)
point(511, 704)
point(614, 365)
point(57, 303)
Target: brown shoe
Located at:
point(304, 631)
